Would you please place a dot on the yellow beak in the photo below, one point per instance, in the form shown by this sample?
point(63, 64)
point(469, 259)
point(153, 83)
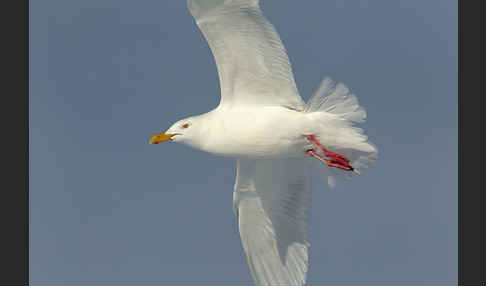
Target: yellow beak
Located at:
point(159, 138)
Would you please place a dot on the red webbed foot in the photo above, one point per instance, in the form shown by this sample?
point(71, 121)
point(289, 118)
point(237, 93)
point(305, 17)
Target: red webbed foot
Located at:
point(336, 160)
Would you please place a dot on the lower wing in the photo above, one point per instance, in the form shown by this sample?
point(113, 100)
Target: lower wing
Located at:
point(271, 200)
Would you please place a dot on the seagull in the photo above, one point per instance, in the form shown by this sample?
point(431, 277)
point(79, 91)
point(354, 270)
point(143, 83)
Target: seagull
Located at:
point(275, 137)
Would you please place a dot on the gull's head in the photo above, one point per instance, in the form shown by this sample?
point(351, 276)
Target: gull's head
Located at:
point(184, 131)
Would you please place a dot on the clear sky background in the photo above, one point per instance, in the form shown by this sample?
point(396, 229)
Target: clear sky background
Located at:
point(106, 208)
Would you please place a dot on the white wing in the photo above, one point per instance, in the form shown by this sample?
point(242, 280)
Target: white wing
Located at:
point(271, 200)
point(252, 64)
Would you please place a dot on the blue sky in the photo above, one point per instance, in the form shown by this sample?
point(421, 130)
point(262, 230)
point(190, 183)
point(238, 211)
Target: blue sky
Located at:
point(109, 209)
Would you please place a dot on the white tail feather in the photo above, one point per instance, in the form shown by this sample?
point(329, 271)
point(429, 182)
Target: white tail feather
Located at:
point(335, 111)
point(336, 99)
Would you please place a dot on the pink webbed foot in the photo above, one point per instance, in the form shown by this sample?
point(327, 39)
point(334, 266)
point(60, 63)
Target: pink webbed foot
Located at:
point(336, 160)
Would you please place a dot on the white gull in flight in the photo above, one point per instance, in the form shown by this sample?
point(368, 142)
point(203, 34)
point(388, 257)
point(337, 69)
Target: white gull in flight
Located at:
point(274, 135)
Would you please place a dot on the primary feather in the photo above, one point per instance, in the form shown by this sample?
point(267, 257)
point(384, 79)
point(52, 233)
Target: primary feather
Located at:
point(271, 199)
point(253, 66)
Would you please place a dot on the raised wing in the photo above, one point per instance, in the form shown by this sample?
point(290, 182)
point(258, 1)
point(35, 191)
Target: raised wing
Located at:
point(252, 64)
point(271, 200)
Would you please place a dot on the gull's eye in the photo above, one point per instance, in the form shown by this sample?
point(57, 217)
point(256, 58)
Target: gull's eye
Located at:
point(185, 125)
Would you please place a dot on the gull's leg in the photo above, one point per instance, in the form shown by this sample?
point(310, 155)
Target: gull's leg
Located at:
point(328, 153)
point(337, 160)
point(330, 163)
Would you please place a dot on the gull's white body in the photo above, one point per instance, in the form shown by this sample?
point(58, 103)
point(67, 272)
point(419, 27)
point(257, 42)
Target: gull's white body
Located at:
point(254, 131)
point(261, 121)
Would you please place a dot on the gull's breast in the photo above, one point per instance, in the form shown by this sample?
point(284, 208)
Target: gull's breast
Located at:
point(258, 132)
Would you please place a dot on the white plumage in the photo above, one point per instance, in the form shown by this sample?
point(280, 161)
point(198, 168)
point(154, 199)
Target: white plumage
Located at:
point(271, 199)
point(263, 122)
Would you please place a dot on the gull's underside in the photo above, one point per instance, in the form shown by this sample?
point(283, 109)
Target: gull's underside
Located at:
point(263, 122)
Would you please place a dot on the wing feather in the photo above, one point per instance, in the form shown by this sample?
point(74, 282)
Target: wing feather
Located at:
point(253, 66)
point(271, 200)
